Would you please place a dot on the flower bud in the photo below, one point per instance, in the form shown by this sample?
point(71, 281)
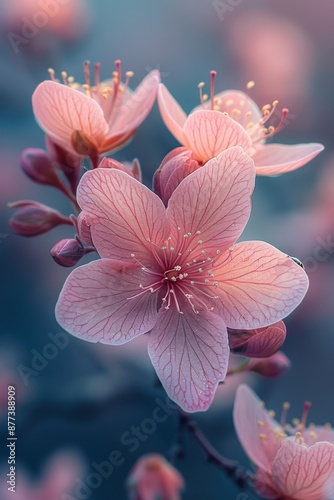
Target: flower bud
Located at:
point(153, 477)
point(37, 165)
point(132, 169)
point(68, 252)
point(273, 366)
point(175, 167)
point(258, 343)
point(32, 218)
point(84, 146)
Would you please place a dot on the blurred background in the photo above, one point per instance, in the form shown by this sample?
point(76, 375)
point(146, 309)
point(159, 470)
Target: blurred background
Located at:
point(83, 401)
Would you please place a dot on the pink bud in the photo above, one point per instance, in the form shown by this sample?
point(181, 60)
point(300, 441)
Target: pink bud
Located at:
point(153, 477)
point(274, 366)
point(133, 169)
point(32, 218)
point(68, 163)
point(37, 164)
point(258, 343)
point(175, 167)
point(67, 252)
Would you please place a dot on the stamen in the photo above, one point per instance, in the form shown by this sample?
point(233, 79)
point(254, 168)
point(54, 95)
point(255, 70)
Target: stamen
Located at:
point(64, 77)
point(213, 75)
point(51, 72)
point(286, 407)
point(97, 67)
point(87, 73)
point(200, 88)
point(250, 85)
point(307, 406)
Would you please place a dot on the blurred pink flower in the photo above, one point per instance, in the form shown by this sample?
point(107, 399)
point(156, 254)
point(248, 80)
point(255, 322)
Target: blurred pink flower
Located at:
point(58, 479)
point(232, 118)
point(65, 20)
point(294, 463)
point(153, 477)
point(174, 272)
point(93, 119)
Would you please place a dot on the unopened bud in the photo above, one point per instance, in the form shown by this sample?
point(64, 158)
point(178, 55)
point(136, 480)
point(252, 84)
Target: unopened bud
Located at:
point(257, 343)
point(37, 165)
point(132, 169)
point(67, 252)
point(274, 366)
point(32, 218)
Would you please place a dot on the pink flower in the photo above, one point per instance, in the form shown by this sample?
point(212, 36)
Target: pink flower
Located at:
point(177, 272)
point(231, 118)
point(153, 477)
point(57, 480)
point(295, 463)
point(93, 119)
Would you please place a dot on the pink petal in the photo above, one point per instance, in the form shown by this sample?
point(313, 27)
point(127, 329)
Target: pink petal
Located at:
point(258, 285)
point(123, 215)
point(135, 109)
point(61, 110)
point(190, 355)
point(213, 204)
point(258, 343)
point(172, 114)
point(265, 487)
point(233, 102)
point(318, 433)
point(97, 304)
point(301, 472)
point(207, 133)
point(274, 159)
point(256, 430)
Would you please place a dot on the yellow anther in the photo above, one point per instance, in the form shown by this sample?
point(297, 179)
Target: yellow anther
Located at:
point(250, 85)
point(263, 437)
point(248, 114)
point(250, 125)
point(296, 422)
point(236, 111)
point(286, 405)
point(129, 74)
point(266, 106)
point(260, 423)
point(275, 103)
point(51, 72)
point(201, 85)
point(205, 97)
point(229, 102)
point(70, 79)
point(272, 414)
point(313, 435)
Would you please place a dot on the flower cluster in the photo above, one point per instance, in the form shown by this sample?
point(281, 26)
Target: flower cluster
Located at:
point(170, 264)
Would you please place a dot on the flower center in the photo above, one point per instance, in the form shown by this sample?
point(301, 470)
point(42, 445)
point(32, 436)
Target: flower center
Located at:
point(179, 277)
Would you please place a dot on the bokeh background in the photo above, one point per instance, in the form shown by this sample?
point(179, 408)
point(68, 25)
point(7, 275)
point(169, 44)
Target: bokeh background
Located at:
point(75, 409)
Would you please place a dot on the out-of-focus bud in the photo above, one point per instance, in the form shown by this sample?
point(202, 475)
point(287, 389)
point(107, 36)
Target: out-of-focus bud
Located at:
point(274, 366)
point(83, 228)
point(68, 163)
point(32, 218)
point(175, 167)
point(37, 165)
point(132, 169)
point(68, 252)
point(153, 477)
point(258, 343)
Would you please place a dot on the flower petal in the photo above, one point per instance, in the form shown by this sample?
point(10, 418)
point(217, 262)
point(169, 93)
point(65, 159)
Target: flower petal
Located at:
point(98, 303)
point(123, 214)
point(258, 285)
point(318, 433)
point(257, 432)
point(207, 133)
point(171, 112)
point(61, 110)
point(135, 109)
point(190, 355)
point(258, 343)
point(213, 204)
point(274, 159)
point(301, 472)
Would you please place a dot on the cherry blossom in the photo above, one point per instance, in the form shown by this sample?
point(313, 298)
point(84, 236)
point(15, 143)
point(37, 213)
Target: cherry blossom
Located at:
point(232, 118)
point(177, 272)
point(294, 462)
point(93, 119)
